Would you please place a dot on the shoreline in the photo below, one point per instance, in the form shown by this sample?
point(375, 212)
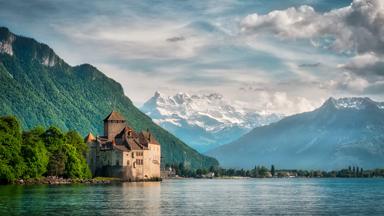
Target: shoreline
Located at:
point(54, 180)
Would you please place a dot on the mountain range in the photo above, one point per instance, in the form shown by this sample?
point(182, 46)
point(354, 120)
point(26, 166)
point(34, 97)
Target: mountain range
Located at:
point(40, 88)
point(204, 121)
point(342, 132)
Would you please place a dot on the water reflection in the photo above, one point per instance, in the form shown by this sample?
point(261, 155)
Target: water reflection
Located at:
point(200, 197)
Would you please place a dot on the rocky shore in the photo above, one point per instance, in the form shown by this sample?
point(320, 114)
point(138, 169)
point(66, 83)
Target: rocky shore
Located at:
point(54, 180)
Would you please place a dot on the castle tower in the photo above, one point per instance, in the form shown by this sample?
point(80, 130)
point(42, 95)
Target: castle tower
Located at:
point(114, 123)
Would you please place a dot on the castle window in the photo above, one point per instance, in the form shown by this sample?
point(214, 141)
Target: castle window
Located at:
point(133, 154)
point(127, 162)
point(139, 161)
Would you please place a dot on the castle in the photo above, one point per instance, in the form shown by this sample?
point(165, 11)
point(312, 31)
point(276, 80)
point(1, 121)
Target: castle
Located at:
point(122, 152)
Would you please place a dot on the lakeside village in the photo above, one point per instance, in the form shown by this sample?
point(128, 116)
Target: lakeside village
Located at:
point(50, 156)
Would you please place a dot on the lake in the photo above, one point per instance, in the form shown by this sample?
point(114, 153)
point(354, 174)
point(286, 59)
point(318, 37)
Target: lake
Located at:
point(200, 197)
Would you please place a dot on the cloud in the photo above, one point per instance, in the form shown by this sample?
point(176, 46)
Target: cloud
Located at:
point(310, 65)
point(194, 46)
point(175, 39)
point(368, 65)
point(355, 28)
point(281, 102)
point(352, 84)
point(355, 31)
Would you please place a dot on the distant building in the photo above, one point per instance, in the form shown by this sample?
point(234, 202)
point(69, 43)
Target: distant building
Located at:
point(122, 152)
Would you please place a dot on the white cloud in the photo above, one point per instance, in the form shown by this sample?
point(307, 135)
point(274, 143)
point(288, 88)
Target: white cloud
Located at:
point(267, 102)
point(357, 28)
point(368, 65)
point(142, 40)
point(352, 83)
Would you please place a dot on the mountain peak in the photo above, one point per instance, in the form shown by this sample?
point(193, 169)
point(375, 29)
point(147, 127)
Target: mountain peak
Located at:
point(208, 117)
point(6, 41)
point(27, 48)
point(343, 131)
point(357, 103)
point(157, 94)
point(4, 31)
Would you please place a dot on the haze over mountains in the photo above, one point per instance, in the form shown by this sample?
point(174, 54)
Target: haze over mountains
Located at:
point(342, 132)
point(40, 88)
point(203, 121)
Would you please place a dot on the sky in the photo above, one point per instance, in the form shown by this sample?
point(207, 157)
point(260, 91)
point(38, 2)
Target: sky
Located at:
point(270, 56)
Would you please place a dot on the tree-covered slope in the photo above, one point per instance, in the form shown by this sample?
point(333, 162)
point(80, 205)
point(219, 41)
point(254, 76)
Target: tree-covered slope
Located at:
point(40, 88)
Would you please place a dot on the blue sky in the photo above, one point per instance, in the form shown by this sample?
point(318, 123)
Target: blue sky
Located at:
point(271, 56)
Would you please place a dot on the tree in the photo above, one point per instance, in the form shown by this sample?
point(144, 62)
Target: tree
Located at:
point(75, 164)
point(53, 138)
point(273, 170)
point(263, 171)
point(54, 141)
point(56, 165)
point(37, 152)
point(11, 163)
point(34, 153)
point(73, 138)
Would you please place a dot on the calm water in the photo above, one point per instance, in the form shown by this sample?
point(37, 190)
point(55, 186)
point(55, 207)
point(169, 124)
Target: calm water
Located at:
point(200, 197)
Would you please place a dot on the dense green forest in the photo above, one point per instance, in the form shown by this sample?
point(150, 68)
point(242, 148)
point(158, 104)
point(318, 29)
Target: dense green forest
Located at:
point(40, 152)
point(264, 172)
point(39, 88)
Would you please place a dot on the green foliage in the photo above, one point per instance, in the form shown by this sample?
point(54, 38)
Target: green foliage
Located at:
point(67, 154)
point(77, 141)
point(75, 164)
point(53, 138)
point(273, 170)
point(74, 98)
point(57, 159)
point(34, 153)
point(11, 163)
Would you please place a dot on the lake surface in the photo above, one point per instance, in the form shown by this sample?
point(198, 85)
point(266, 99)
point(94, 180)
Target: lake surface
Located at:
point(200, 197)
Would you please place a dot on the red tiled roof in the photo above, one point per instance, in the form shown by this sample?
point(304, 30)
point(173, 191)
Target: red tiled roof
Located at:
point(134, 145)
point(114, 116)
point(123, 132)
point(121, 148)
point(89, 138)
point(149, 137)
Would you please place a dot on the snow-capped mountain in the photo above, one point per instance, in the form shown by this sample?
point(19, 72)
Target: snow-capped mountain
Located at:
point(342, 132)
point(203, 121)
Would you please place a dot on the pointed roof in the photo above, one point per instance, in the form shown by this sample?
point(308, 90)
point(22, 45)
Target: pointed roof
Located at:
point(146, 136)
point(124, 132)
point(114, 116)
point(89, 138)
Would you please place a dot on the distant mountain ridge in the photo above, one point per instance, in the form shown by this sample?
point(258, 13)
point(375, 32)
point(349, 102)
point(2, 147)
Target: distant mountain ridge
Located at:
point(203, 120)
point(342, 132)
point(39, 87)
